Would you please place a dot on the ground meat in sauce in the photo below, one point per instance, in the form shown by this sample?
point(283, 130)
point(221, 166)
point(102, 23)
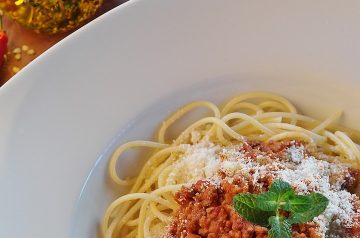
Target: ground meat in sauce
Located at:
point(206, 211)
point(206, 208)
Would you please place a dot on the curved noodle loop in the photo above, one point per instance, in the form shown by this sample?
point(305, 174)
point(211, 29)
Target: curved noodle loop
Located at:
point(251, 116)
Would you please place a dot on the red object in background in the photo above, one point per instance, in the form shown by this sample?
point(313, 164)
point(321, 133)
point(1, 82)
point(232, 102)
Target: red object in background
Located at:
point(3, 42)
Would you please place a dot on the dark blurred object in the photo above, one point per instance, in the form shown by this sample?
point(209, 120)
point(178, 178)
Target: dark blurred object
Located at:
point(50, 16)
point(19, 36)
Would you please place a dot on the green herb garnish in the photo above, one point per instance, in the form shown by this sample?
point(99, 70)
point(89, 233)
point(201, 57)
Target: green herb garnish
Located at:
point(267, 209)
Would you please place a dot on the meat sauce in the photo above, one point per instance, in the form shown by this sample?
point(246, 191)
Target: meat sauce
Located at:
point(206, 207)
point(206, 211)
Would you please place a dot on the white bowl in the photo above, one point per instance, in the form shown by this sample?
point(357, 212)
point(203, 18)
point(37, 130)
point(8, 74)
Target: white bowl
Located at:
point(118, 77)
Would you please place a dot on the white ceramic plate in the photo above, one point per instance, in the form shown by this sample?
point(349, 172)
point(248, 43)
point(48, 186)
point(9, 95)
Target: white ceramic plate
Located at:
point(118, 77)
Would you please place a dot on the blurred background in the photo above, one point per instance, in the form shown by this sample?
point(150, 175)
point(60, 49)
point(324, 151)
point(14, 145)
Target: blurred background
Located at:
point(30, 27)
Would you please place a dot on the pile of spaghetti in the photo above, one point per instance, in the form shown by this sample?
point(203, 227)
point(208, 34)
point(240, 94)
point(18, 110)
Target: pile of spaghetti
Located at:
point(186, 186)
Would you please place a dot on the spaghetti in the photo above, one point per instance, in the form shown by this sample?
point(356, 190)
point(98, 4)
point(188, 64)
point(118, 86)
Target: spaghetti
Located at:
point(258, 116)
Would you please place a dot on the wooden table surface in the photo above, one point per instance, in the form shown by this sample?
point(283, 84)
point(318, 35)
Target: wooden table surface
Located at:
point(19, 36)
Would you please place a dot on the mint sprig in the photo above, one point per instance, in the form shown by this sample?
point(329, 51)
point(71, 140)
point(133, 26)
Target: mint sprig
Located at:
point(277, 197)
point(267, 209)
point(246, 206)
point(318, 204)
point(280, 227)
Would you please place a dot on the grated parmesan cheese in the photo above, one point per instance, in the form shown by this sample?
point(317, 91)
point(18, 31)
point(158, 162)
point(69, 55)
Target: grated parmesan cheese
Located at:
point(296, 153)
point(313, 175)
point(199, 162)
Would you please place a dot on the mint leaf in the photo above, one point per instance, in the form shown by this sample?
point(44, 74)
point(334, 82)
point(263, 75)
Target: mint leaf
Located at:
point(245, 205)
point(318, 205)
point(270, 201)
point(279, 186)
point(280, 228)
point(267, 209)
point(298, 203)
point(277, 197)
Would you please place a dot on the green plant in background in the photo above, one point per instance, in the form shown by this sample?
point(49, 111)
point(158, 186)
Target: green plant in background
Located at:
point(279, 208)
point(50, 16)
